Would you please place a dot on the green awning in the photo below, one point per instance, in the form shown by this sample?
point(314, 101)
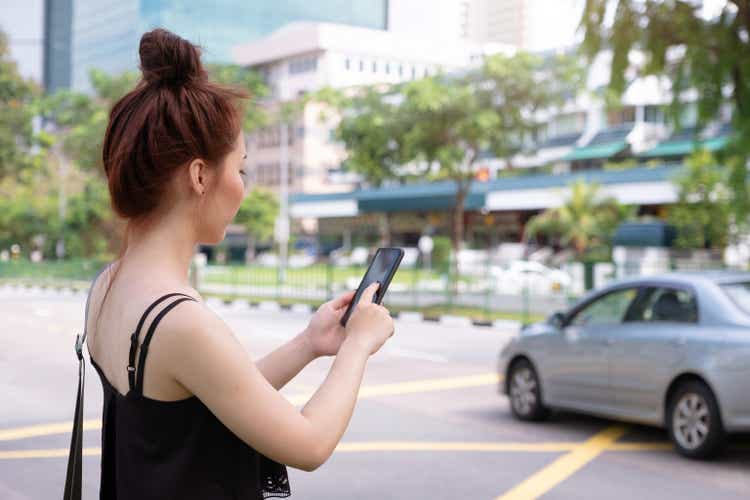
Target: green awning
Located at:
point(644, 234)
point(596, 151)
point(685, 147)
point(474, 201)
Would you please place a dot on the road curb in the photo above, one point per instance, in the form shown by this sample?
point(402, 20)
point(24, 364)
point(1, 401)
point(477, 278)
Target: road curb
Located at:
point(274, 306)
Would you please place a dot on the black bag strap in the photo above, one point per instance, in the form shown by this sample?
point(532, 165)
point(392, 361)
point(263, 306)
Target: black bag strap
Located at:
point(75, 457)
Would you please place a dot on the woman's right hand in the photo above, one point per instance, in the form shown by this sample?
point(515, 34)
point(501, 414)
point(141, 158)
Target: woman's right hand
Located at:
point(370, 324)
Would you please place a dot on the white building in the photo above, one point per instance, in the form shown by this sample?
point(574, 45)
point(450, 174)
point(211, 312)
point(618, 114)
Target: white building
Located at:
point(304, 57)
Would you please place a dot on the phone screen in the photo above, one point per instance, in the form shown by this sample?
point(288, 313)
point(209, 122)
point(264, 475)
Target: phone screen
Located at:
point(381, 269)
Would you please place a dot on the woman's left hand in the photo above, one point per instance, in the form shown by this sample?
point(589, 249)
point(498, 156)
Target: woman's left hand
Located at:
point(325, 334)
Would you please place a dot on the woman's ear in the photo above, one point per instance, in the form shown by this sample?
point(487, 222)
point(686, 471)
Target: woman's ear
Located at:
point(199, 174)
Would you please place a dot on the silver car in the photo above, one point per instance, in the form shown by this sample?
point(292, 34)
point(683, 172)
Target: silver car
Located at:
point(671, 351)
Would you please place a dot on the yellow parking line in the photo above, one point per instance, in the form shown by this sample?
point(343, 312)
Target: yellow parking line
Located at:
point(414, 386)
point(46, 429)
point(454, 446)
point(51, 453)
point(640, 446)
point(565, 466)
point(432, 446)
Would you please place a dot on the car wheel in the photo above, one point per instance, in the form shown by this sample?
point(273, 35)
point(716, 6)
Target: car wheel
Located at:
point(694, 421)
point(524, 391)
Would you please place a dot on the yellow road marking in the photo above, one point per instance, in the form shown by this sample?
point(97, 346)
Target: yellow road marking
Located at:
point(414, 386)
point(437, 384)
point(46, 429)
point(365, 446)
point(640, 446)
point(565, 466)
point(52, 453)
point(454, 446)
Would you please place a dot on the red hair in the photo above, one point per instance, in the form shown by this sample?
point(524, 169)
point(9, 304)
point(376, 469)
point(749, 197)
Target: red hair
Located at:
point(173, 116)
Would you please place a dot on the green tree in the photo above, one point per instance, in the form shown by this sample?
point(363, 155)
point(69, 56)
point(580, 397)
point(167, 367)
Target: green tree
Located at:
point(702, 212)
point(451, 120)
point(28, 208)
point(72, 136)
point(258, 213)
point(436, 127)
point(372, 130)
point(586, 221)
point(16, 113)
point(705, 54)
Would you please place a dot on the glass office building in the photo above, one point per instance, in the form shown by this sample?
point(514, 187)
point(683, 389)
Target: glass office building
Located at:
point(106, 32)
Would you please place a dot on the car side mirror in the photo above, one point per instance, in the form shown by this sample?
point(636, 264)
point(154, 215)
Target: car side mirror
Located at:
point(556, 320)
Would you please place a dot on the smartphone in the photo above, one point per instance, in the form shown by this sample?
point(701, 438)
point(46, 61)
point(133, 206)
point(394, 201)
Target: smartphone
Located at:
point(382, 268)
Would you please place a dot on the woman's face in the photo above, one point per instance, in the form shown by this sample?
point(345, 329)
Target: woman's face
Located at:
point(223, 200)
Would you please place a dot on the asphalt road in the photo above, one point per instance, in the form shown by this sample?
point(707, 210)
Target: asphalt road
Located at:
point(429, 423)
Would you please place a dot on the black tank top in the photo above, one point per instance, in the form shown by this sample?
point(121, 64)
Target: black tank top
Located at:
point(154, 449)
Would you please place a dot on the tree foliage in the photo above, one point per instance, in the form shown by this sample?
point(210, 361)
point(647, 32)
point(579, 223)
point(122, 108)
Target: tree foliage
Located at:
point(16, 114)
point(695, 51)
point(584, 222)
point(257, 214)
point(435, 128)
point(702, 212)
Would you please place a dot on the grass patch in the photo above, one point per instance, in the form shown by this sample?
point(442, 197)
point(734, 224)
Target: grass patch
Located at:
point(316, 275)
point(474, 313)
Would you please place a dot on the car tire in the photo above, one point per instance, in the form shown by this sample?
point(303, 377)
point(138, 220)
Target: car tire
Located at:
point(694, 421)
point(525, 392)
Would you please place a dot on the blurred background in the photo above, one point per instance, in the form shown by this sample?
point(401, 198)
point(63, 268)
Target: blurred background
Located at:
point(513, 148)
point(521, 152)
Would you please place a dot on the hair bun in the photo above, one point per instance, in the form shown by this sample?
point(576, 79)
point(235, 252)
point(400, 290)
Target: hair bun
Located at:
point(170, 59)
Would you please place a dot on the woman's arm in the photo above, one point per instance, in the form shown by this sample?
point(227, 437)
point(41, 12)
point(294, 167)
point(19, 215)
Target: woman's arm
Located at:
point(210, 363)
point(284, 363)
point(322, 337)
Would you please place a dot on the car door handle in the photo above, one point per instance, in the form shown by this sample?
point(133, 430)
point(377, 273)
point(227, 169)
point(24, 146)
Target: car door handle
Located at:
point(678, 342)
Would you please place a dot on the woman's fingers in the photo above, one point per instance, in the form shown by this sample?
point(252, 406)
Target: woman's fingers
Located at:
point(343, 300)
point(369, 292)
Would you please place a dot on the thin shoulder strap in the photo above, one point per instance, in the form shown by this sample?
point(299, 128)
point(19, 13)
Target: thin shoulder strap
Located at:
point(147, 341)
point(75, 457)
point(137, 332)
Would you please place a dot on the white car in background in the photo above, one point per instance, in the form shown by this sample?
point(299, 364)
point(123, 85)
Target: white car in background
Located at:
point(538, 279)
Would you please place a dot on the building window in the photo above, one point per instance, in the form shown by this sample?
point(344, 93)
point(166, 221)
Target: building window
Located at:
point(387, 68)
point(653, 114)
point(303, 65)
point(400, 70)
point(347, 64)
point(413, 72)
point(374, 66)
point(361, 65)
point(621, 116)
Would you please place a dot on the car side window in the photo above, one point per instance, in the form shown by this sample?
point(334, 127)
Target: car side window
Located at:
point(665, 304)
point(607, 310)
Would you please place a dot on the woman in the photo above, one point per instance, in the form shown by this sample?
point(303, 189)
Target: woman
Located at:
point(187, 413)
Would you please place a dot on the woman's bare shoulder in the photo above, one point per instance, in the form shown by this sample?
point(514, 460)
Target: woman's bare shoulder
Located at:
point(192, 323)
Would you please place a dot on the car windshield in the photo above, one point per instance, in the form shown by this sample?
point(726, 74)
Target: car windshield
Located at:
point(739, 293)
